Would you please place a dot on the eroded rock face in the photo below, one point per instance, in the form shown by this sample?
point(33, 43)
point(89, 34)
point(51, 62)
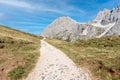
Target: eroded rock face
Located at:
point(106, 16)
point(106, 23)
point(67, 29)
point(115, 30)
point(103, 14)
point(113, 17)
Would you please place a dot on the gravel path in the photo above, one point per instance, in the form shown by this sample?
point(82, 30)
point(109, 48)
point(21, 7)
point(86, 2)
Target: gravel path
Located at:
point(55, 65)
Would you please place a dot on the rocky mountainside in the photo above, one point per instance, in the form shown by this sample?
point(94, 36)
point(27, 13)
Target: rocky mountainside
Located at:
point(108, 17)
point(106, 23)
point(115, 30)
point(67, 29)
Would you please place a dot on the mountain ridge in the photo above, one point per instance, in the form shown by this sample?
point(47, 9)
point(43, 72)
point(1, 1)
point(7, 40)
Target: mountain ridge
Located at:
point(106, 23)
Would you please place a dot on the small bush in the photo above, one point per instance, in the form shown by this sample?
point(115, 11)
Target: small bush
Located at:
point(17, 73)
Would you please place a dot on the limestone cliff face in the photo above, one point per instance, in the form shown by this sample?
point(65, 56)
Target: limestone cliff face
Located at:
point(106, 16)
point(103, 14)
point(67, 29)
point(115, 30)
point(106, 23)
point(112, 16)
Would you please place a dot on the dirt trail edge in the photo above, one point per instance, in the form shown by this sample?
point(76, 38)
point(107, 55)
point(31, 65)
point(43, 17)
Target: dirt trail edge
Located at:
point(55, 65)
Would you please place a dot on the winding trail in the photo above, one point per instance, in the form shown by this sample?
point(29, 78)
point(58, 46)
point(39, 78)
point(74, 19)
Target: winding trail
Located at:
point(55, 65)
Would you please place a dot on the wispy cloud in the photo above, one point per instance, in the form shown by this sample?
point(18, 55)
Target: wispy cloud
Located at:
point(59, 7)
point(43, 6)
point(34, 15)
point(17, 3)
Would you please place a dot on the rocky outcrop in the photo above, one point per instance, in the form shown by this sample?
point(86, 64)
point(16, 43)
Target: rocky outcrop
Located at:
point(106, 23)
point(106, 16)
point(115, 30)
point(67, 29)
point(112, 17)
point(103, 14)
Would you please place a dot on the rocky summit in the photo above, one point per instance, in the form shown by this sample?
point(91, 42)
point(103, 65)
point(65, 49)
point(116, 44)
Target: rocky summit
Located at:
point(67, 29)
point(106, 16)
point(106, 23)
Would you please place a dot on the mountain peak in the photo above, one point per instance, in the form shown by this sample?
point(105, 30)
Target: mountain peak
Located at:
point(66, 28)
point(102, 14)
point(63, 19)
point(106, 10)
point(106, 16)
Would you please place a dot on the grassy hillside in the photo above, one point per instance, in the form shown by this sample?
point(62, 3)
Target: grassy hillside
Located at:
point(100, 56)
point(19, 52)
point(16, 34)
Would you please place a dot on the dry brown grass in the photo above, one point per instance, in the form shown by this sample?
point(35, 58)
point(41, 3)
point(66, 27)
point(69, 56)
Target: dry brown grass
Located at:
point(16, 34)
point(19, 52)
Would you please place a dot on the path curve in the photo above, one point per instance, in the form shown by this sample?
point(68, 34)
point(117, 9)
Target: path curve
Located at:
point(55, 65)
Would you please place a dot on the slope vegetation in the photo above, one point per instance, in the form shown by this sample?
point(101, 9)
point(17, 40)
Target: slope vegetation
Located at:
point(19, 52)
point(55, 65)
point(101, 56)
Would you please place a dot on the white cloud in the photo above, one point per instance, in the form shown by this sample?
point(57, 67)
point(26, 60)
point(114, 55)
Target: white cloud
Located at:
point(17, 3)
point(27, 5)
point(59, 7)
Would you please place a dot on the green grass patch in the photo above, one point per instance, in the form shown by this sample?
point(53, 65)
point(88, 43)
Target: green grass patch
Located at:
point(100, 55)
point(23, 54)
point(17, 73)
point(19, 52)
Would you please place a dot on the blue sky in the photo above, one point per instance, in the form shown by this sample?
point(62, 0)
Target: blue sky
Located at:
point(34, 16)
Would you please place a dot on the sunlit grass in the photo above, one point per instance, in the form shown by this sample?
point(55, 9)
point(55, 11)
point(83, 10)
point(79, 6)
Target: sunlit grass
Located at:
point(100, 56)
point(19, 52)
